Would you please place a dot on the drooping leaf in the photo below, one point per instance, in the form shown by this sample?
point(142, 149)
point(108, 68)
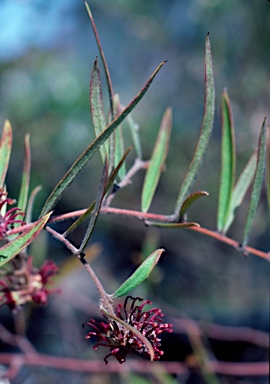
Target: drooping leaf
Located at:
point(97, 108)
point(81, 162)
point(23, 196)
point(157, 161)
point(99, 197)
point(5, 150)
point(191, 200)
point(135, 331)
point(119, 141)
point(104, 62)
point(244, 182)
point(14, 247)
point(228, 161)
point(207, 125)
point(257, 185)
point(141, 273)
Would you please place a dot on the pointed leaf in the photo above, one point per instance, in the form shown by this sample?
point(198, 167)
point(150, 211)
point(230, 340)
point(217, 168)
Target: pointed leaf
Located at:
point(5, 150)
point(104, 62)
point(97, 206)
point(157, 161)
point(141, 273)
point(257, 185)
point(227, 162)
point(97, 108)
point(81, 162)
point(190, 200)
point(23, 196)
point(119, 141)
point(14, 247)
point(207, 125)
point(135, 331)
point(240, 189)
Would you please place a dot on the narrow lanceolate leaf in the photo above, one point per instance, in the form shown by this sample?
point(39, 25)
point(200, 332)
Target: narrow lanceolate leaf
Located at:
point(23, 196)
point(97, 108)
point(81, 162)
point(97, 206)
point(141, 273)
point(5, 149)
point(119, 141)
point(135, 331)
point(14, 247)
point(157, 161)
point(240, 189)
point(227, 175)
point(104, 62)
point(257, 185)
point(207, 125)
point(135, 133)
point(191, 200)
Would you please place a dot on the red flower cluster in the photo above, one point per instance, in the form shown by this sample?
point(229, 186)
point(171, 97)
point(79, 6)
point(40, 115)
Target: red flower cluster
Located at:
point(121, 340)
point(26, 284)
point(8, 219)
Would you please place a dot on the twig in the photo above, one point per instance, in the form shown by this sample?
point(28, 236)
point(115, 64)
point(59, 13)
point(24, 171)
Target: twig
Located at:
point(154, 217)
point(97, 366)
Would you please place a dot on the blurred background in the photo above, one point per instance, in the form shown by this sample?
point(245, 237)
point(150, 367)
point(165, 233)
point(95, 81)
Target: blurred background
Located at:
point(47, 50)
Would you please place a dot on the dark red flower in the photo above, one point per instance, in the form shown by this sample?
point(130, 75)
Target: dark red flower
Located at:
point(26, 284)
point(9, 218)
point(121, 340)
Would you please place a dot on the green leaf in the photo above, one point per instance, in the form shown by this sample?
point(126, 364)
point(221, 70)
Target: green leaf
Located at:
point(81, 162)
point(23, 196)
point(207, 125)
point(97, 108)
point(257, 185)
point(172, 225)
point(100, 194)
point(228, 161)
point(104, 62)
point(119, 141)
point(14, 247)
point(191, 200)
point(141, 273)
point(157, 161)
point(135, 331)
point(5, 150)
point(240, 189)
point(135, 133)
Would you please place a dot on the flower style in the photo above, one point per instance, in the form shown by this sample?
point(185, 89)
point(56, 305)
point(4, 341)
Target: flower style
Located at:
point(8, 219)
point(121, 340)
point(27, 284)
